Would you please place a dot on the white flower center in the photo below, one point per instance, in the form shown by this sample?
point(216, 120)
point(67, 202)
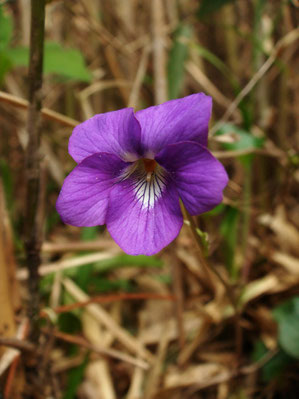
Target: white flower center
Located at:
point(148, 179)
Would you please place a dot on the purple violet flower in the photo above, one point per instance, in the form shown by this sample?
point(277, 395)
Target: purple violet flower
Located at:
point(133, 168)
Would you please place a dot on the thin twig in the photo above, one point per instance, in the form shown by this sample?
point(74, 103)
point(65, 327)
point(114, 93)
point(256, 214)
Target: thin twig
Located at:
point(228, 289)
point(139, 77)
point(24, 346)
point(98, 349)
point(46, 112)
point(285, 41)
point(206, 84)
point(177, 274)
point(111, 298)
point(22, 274)
point(202, 260)
point(10, 355)
point(75, 246)
point(100, 314)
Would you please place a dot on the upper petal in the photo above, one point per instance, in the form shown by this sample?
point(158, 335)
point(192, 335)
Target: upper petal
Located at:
point(116, 132)
point(143, 217)
point(199, 177)
point(176, 120)
point(83, 199)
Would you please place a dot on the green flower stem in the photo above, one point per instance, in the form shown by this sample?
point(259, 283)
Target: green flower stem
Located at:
point(229, 291)
point(247, 210)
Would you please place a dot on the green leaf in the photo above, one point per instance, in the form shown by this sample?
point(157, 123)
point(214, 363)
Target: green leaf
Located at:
point(68, 63)
point(275, 366)
point(89, 233)
point(83, 273)
point(178, 55)
point(229, 231)
point(6, 27)
point(69, 323)
point(104, 266)
point(209, 6)
point(128, 261)
point(75, 378)
point(65, 62)
point(5, 65)
point(217, 63)
point(216, 211)
point(19, 56)
point(104, 285)
point(244, 139)
point(287, 317)
point(7, 180)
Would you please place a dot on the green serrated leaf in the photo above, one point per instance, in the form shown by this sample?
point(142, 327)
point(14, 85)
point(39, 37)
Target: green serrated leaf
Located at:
point(67, 63)
point(178, 55)
point(6, 28)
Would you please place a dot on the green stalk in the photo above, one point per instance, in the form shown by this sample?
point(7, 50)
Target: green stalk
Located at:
point(247, 192)
point(232, 297)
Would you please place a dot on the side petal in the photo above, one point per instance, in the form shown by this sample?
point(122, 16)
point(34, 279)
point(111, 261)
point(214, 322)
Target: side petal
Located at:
point(83, 199)
point(176, 120)
point(199, 177)
point(143, 217)
point(116, 132)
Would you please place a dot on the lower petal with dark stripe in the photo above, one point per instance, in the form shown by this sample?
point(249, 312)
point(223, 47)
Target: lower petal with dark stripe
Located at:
point(144, 215)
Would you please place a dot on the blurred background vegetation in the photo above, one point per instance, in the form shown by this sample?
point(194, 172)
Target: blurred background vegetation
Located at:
point(117, 326)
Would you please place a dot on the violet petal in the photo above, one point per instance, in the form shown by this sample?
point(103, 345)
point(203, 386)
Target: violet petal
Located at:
point(116, 132)
point(183, 119)
point(199, 177)
point(83, 199)
point(143, 221)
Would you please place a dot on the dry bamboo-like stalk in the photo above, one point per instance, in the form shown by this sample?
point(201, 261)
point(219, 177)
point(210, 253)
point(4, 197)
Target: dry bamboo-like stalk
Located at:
point(156, 371)
point(7, 324)
point(98, 371)
point(105, 319)
point(159, 52)
point(133, 99)
point(288, 39)
point(54, 267)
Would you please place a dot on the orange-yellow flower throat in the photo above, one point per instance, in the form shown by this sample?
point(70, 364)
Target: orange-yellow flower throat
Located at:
point(149, 166)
